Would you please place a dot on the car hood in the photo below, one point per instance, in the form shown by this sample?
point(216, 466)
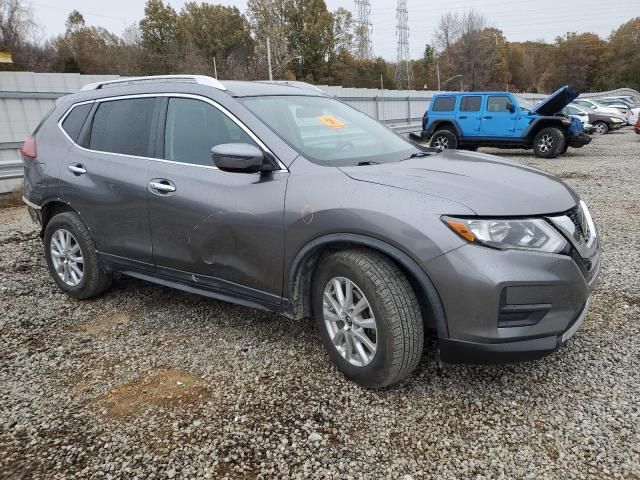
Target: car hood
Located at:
point(557, 100)
point(487, 185)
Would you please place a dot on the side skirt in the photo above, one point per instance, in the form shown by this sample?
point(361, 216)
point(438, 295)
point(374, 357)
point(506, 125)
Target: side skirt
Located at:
point(206, 286)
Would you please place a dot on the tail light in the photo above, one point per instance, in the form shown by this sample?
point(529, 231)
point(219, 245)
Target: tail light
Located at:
point(29, 149)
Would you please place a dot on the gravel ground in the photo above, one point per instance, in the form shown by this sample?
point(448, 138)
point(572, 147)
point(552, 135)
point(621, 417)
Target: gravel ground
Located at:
point(147, 382)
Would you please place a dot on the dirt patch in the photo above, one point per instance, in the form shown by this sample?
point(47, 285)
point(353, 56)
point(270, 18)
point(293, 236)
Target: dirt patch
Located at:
point(157, 388)
point(11, 199)
point(106, 322)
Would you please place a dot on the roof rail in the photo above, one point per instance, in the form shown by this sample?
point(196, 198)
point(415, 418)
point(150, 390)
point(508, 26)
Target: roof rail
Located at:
point(199, 79)
point(293, 83)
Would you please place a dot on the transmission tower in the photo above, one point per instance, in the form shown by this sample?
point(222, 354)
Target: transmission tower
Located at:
point(364, 49)
point(403, 76)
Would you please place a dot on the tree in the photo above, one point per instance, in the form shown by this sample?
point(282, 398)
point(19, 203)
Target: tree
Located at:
point(159, 28)
point(267, 20)
point(309, 32)
point(16, 24)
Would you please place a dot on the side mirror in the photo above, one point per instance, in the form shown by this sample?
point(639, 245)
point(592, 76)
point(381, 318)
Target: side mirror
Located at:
point(511, 107)
point(239, 157)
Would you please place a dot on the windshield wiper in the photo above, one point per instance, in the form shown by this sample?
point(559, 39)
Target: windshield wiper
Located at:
point(368, 162)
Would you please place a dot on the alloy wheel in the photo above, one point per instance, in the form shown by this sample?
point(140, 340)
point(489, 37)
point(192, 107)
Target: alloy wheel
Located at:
point(441, 142)
point(66, 256)
point(545, 144)
point(350, 321)
point(599, 128)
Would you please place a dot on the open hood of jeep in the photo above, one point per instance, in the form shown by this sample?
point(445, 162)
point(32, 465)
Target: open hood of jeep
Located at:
point(557, 101)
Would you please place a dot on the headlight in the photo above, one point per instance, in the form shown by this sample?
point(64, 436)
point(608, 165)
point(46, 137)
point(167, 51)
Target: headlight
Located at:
point(523, 234)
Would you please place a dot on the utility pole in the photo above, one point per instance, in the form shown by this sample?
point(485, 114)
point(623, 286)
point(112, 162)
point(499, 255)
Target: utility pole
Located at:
point(438, 72)
point(402, 32)
point(364, 48)
point(215, 68)
point(269, 59)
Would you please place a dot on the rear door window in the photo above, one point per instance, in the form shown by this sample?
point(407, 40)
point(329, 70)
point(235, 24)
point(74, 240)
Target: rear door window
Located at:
point(123, 126)
point(74, 121)
point(444, 104)
point(470, 104)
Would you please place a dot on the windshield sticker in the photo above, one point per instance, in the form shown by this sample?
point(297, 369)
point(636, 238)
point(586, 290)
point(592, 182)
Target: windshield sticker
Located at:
point(332, 122)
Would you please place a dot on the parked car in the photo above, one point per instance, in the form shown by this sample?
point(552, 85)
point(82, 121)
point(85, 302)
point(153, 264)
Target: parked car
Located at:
point(637, 127)
point(501, 119)
point(626, 106)
point(619, 105)
point(282, 198)
point(595, 106)
point(580, 114)
point(601, 122)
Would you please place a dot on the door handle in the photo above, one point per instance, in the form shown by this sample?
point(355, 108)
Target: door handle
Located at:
point(77, 169)
point(461, 117)
point(162, 186)
point(488, 117)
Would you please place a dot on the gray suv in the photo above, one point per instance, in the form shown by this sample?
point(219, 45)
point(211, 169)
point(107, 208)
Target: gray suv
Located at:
point(276, 196)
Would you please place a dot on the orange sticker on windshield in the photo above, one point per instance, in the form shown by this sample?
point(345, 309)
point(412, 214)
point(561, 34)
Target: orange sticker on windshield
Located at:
point(332, 122)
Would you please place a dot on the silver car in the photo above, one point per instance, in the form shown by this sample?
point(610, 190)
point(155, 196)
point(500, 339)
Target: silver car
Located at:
point(279, 197)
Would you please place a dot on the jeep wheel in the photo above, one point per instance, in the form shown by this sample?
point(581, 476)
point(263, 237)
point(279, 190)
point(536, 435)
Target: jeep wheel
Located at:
point(444, 139)
point(548, 142)
point(368, 317)
point(600, 128)
point(72, 258)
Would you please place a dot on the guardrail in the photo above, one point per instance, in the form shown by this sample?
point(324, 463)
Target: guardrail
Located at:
point(11, 169)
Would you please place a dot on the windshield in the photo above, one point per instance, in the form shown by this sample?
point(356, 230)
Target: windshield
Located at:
point(329, 132)
point(524, 104)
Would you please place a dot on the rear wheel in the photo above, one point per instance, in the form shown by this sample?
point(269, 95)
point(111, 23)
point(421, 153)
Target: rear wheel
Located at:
point(548, 142)
point(368, 317)
point(72, 258)
point(600, 128)
point(443, 140)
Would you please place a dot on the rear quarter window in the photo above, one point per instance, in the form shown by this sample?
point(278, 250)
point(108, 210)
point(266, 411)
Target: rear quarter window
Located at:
point(444, 104)
point(123, 126)
point(74, 121)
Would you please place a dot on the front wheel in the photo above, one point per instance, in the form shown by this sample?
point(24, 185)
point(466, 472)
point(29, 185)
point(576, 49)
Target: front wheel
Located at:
point(443, 140)
point(600, 128)
point(368, 316)
point(548, 142)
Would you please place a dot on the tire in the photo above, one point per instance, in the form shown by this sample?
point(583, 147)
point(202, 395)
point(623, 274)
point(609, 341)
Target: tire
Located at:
point(443, 140)
point(565, 148)
point(548, 142)
point(391, 304)
point(600, 128)
point(92, 280)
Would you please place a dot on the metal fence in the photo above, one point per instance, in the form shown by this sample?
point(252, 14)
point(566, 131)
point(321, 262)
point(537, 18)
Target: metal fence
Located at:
point(25, 97)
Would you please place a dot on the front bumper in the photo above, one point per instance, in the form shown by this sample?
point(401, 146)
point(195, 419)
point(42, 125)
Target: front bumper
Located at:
point(579, 140)
point(460, 351)
point(511, 305)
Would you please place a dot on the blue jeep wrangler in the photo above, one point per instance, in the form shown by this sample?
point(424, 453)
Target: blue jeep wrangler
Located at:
point(501, 119)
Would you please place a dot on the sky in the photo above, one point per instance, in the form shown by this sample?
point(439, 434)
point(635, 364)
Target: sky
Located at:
point(519, 20)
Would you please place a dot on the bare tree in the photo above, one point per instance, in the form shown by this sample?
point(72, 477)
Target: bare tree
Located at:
point(16, 23)
point(448, 31)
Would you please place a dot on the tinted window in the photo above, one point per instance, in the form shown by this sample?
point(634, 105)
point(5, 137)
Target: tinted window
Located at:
point(74, 121)
point(123, 126)
point(194, 127)
point(470, 104)
point(498, 104)
point(444, 104)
